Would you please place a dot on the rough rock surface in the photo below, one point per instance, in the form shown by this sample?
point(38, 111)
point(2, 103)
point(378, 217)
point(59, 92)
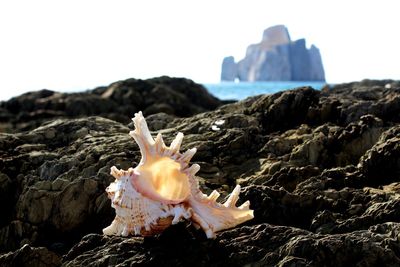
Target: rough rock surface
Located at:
point(321, 169)
point(118, 101)
point(276, 58)
point(28, 256)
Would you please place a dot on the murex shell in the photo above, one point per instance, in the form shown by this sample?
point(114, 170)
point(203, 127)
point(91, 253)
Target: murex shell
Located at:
point(163, 189)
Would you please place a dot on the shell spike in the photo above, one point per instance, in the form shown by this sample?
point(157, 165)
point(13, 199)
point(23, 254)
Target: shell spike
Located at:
point(193, 169)
point(213, 196)
point(233, 197)
point(181, 212)
point(159, 144)
point(176, 144)
point(215, 216)
point(142, 135)
point(245, 205)
point(114, 228)
point(187, 156)
point(116, 173)
point(204, 225)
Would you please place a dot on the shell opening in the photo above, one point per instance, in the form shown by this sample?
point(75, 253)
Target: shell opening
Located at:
point(161, 179)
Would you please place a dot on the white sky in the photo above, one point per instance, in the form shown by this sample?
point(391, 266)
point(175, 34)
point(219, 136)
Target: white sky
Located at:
point(74, 45)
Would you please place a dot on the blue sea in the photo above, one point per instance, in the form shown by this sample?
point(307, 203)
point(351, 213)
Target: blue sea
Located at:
point(241, 90)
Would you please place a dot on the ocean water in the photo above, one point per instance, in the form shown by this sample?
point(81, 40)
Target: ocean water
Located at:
point(241, 90)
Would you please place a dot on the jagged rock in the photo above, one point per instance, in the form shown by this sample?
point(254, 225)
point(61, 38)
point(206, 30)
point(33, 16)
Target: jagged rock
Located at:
point(64, 178)
point(7, 191)
point(118, 101)
point(285, 109)
point(382, 161)
point(259, 245)
point(379, 98)
point(276, 58)
point(321, 175)
point(30, 257)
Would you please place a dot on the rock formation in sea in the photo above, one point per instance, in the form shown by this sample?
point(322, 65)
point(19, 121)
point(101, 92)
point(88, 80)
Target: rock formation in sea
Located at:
point(320, 168)
point(276, 58)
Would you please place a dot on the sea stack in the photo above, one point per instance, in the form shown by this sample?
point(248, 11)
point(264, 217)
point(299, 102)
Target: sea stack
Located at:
point(276, 58)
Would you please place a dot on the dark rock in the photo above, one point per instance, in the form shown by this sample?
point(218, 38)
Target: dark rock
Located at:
point(379, 98)
point(7, 192)
point(119, 101)
point(32, 257)
point(64, 180)
point(381, 164)
point(284, 110)
point(259, 245)
point(320, 169)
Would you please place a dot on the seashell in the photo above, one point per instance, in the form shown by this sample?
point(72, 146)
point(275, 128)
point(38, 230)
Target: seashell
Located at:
point(163, 189)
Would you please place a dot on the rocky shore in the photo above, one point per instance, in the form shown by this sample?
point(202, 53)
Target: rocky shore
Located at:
point(118, 101)
point(321, 169)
